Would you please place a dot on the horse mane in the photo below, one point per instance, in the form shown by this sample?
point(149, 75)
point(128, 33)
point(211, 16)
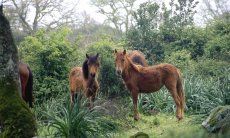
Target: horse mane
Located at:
point(133, 66)
point(138, 60)
point(85, 69)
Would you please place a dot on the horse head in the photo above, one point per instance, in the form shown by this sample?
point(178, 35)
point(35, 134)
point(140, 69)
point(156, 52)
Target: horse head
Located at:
point(91, 66)
point(123, 61)
point(120, 58)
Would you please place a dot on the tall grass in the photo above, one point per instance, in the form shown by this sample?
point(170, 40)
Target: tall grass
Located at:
point(78, 121)
point(202, 95)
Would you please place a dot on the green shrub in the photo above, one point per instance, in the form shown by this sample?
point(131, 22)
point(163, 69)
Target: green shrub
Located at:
point(212, 68)
point(49, 88)
point(181, 59)
point(48, 54)
point(191, 39)
point(218, 48)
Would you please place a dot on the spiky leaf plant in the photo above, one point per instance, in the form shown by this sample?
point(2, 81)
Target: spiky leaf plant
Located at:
point(79, 121)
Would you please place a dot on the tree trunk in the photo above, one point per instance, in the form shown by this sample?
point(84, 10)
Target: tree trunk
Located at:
point(16, 119)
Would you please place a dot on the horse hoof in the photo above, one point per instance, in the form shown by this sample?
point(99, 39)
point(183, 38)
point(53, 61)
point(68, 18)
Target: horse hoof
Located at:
point(136, 118)
point(179, 118)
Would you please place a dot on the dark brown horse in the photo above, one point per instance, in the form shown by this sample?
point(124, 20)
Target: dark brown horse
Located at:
point(139, 79)
point(85, 79)
point(26, 79)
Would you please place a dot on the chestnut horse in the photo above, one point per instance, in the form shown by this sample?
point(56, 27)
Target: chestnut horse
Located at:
point(85, 79)
point(139, 79)
point(26, 79)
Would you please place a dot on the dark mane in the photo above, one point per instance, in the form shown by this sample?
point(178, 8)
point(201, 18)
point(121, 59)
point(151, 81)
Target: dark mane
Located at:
point(138, 60)
point(85, 69)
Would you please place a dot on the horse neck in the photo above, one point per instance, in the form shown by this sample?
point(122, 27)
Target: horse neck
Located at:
point(128, 69)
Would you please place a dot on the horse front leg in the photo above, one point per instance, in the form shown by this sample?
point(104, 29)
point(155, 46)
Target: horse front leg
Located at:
point(23, 89)
point(135, 98)
point(72, 97)
point(92, 99)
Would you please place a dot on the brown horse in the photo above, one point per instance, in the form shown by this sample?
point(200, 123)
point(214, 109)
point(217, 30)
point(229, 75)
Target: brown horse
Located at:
point(26, 79)
point(85, 79)
point(139, 79)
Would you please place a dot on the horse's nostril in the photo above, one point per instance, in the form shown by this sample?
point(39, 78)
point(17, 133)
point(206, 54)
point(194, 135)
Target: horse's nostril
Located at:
point(118, 72)
point(92, 75)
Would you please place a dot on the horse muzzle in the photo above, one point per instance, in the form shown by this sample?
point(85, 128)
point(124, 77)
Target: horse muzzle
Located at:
point(118, 72)
point(93, 75)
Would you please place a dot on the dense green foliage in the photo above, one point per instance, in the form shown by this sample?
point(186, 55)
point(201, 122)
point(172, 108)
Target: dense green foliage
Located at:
point(48, 55)
point(144, 36)
point(162, 34)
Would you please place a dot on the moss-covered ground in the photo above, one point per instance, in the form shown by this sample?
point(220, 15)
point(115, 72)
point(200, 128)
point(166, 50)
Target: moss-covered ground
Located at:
point(165, 125)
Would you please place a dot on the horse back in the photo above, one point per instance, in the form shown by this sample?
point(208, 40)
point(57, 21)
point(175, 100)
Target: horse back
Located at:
point(26, 78)
point(152, 78)
point(23, 71)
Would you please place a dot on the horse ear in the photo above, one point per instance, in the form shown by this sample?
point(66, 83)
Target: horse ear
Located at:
point(115, 51)
point(124, 52)
point(87, 56)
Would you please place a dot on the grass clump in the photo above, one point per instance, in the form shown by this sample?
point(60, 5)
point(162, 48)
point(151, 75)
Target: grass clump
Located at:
point(77, 121)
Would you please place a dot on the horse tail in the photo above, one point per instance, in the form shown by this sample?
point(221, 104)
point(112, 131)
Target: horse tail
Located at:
point(29, 88)
point(180, 90)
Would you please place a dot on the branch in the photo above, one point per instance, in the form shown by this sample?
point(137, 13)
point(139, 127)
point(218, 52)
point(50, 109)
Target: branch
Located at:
point(24, 22)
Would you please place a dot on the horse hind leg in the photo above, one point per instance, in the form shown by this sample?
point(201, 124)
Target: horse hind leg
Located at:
point(30, 104)
point(178, 104)
point(135, 99)
point(29, 89)
point(181, 95)
point(172, 89)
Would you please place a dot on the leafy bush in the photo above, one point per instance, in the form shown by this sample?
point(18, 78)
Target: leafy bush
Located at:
point(191, 39)
point(47, 53)
point(181, 59)
point(49, 88)
point(218, 48)
point(209, 68)
point(144, 35)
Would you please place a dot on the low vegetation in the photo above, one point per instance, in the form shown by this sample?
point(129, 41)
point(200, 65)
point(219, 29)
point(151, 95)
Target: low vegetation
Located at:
point(163, 34)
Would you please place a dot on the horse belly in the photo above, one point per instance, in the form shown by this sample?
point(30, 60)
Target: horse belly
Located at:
point(149, 84)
